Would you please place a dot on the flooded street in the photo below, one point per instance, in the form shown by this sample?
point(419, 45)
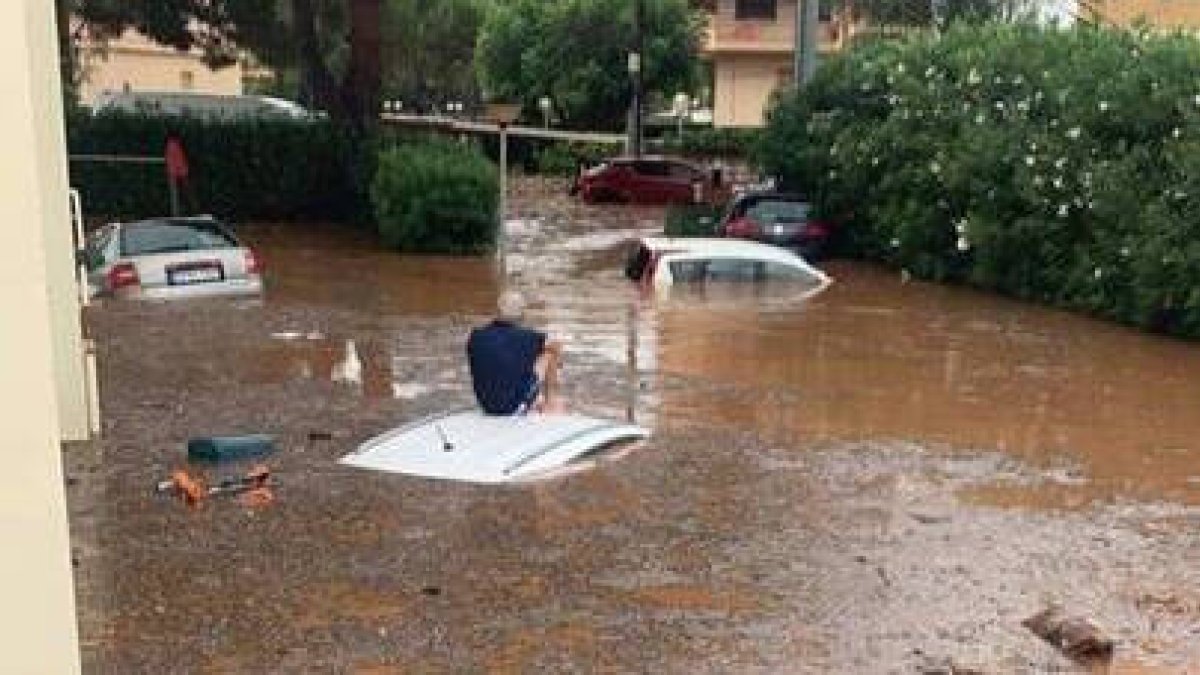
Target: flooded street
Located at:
point(889, 477)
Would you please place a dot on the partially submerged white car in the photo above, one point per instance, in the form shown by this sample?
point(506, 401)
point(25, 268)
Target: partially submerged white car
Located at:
point(661, 262)
point(166, 258)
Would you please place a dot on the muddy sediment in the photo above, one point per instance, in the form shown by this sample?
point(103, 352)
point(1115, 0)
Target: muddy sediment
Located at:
point(889, 478)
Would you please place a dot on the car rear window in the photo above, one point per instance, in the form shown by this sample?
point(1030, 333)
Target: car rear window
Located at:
point(173, 236)
point(778, 211)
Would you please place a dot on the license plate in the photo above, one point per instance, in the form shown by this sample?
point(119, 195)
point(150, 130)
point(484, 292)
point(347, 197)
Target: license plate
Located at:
point(194, 275)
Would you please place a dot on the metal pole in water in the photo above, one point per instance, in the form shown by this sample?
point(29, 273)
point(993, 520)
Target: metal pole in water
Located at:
point(631, 359)
point(501, 238)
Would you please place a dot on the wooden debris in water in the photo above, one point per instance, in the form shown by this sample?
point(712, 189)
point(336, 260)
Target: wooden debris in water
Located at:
point(1077, 637)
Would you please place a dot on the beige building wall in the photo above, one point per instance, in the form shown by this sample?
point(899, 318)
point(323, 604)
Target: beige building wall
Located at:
point(37, 616)
point(136, 63)
point(743, 86)
point(1162, 13)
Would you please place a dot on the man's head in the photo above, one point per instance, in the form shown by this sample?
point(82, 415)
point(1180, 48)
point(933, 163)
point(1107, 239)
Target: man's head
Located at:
point(510, 306)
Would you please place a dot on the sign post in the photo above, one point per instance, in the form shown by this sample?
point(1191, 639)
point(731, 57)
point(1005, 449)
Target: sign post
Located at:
point(502, 115)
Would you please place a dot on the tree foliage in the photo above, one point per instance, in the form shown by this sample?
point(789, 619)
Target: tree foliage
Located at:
point(575, 52)
point(429, 51)
point(334, 43)
point(1052, 165)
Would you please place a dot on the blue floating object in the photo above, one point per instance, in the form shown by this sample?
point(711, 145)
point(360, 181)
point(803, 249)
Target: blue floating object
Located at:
point(230, 448)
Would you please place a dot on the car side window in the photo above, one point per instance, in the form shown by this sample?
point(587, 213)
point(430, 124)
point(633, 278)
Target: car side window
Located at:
point(734, 269)
point(684, 172)
point(96, 249)
point(657, 169)
point(688, 271)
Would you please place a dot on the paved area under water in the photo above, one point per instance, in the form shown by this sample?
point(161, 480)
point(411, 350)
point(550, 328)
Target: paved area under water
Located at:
point(886, 478)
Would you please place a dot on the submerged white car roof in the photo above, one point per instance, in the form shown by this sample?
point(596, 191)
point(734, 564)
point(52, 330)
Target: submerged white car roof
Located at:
point(473, 447)
point(721, 246)
point(728, 247)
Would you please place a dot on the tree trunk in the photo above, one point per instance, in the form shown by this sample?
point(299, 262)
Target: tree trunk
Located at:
point(364, 79)
point(318, 88)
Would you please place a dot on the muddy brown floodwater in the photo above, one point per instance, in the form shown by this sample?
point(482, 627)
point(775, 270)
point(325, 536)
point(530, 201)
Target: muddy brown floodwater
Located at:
point(887, 478)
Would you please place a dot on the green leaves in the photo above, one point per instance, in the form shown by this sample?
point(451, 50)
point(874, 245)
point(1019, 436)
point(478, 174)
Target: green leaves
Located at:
point(1058, 165)
point(574, 51)
point(436, 197)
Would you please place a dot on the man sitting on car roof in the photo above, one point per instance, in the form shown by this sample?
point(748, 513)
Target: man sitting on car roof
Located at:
point(514, 369)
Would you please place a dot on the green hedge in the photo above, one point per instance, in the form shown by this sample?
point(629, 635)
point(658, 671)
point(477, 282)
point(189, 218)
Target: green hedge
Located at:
point(243, 169)
point(713, 142)
point(436, 197)
point(1062, 166)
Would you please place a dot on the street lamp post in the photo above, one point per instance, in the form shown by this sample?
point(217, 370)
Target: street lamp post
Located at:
point(808, 19)
point(635, 74)
point(502, 115)
point(683, 104)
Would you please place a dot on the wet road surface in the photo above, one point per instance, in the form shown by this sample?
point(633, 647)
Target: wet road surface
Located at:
point(887, 478)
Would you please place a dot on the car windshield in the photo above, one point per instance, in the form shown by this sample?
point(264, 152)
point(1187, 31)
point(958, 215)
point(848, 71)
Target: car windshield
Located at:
point(778, 211)
point(172, 236)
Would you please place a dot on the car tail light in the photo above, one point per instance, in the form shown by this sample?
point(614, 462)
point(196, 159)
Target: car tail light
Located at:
point(742, 227)
point(816, 228)
point(254, 264)
point(122, 275)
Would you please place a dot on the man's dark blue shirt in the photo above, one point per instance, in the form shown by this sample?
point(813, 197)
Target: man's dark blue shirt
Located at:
point(501, 355)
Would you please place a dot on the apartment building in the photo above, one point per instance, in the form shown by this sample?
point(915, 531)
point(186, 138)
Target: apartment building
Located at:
point(751, 46)
point(134, 62)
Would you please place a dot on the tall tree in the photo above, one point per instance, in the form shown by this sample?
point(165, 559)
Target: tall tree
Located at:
point(429, 51)
point(310, 34)
point(574, 51)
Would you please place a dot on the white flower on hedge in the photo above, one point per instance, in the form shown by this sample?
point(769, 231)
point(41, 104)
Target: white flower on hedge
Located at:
point(999, 105)
point(1074, 132)
point(1058, 182)
point(1124, 251)
point(1176, 132)
point(1104, 106)
point(900, 67)
point(1030, 160)
point(874, 161)
point(930, 71)
point(980, 118)
point(960, 226)
point(1038, 181)
point(1064, 210)
point(1197, 99)
point(1060, 163)
point(895, 243)
point(935, 168)
point(963, 244)
point(1098, 273)
point(973, 77)
point(1023, 106)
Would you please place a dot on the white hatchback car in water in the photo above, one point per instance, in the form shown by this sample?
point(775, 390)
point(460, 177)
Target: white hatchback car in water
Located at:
point(166, 258)
point(661, 262)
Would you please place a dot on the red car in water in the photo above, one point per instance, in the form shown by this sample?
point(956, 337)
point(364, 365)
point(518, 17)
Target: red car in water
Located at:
point(644, 180)
point(777, 218)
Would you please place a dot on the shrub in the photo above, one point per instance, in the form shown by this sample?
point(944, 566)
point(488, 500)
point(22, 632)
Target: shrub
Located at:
point(563, 159)
point(713, 142)
point(436, 197)
point(1053, 165)
point(242, 169)
point(696, 220)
